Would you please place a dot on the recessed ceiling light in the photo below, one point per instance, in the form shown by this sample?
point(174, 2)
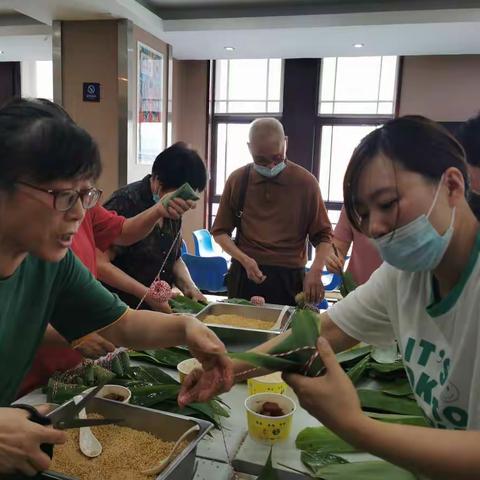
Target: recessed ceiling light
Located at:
point(229, 49)
point(358, 45)
point(1, 52)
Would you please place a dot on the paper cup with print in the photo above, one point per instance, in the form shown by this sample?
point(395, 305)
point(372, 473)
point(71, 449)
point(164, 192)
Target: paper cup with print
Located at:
point(264, 427)
point(272, 383)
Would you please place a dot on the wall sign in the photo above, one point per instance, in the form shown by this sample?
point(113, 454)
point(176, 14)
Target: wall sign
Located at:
point(91, 92)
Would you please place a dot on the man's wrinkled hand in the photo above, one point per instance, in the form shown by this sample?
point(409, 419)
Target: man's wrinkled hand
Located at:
point(253, 271)
point(313, 286)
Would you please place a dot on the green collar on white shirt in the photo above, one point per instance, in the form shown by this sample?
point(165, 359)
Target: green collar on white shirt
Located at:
point(439, 307)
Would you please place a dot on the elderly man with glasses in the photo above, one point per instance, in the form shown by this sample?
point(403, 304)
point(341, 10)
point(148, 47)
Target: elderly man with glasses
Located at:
point(275, 206)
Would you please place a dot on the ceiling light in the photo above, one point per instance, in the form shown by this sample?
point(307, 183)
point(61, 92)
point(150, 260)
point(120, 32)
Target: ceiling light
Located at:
point(358, 45)
point(1, 52)
point(229, 49)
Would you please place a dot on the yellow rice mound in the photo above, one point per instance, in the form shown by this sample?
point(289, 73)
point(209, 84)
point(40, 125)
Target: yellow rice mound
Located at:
point(239, 321)
point(126, 452)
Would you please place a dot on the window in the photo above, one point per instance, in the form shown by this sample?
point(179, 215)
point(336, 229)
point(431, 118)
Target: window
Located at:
point(336, 146)
point(248, 86)
point(232, 151)
point(358, 86)
point(244, 90)
point(356, 95)
point(44, 79)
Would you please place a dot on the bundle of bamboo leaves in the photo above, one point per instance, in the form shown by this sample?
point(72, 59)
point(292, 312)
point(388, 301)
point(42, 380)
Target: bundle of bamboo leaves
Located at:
point(150, 387)
point(297, 351)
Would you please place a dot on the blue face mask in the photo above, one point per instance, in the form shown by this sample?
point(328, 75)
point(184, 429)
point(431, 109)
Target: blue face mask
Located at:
point(156, 198)
point(270, 172)
point(417, 246)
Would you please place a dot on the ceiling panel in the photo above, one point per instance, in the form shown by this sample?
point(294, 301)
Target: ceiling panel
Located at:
point(182, 9)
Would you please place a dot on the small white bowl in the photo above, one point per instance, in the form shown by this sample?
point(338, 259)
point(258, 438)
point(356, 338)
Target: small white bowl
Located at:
point(113, 390)
point(186, 366)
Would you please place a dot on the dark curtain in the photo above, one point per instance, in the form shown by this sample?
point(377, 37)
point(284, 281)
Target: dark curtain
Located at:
point(9, 81)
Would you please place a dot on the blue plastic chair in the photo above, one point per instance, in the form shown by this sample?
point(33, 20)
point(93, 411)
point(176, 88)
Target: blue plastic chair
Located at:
point(183, 248)
point(323, 305)
point(208, 273)
point(204, 243)
point(331, 281)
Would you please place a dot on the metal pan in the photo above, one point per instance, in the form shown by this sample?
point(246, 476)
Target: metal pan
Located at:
point(238, 339)
point(167, 426)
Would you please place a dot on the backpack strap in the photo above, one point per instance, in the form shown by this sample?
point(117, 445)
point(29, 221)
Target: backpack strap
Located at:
point(241, 201)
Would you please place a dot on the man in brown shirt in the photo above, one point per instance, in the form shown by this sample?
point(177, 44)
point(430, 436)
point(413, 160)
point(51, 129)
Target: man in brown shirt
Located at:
point(282, 209)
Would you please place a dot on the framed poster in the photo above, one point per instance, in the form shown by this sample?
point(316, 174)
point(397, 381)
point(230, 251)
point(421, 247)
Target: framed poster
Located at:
point(150, 131)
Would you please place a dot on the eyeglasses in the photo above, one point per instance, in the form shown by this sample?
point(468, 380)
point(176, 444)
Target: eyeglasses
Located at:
point(64, 199)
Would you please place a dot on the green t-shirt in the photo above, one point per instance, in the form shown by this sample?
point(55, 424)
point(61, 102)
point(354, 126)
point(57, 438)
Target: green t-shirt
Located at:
point(64, 294)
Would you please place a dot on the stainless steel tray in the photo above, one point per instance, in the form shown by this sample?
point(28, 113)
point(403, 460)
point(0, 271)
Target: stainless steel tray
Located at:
point(238, 339)
point(167, 426)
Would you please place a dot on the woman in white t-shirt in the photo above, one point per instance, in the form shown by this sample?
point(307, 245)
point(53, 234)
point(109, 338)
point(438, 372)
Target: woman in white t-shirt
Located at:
point(405, 187)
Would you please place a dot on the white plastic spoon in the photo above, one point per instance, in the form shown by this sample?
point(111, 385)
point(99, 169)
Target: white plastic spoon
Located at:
point(163, 464)
point(89, 445)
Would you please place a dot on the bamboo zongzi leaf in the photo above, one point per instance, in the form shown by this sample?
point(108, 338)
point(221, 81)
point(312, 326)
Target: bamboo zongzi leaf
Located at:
point(268, 472)
point(266, 361)
point(356, 372)
point(314, 461)
point(169, 357)
point(151, 374)
point(353, 354)
point(385, 354)
point(321, 439)
point(348, 284)
point(400, 419)
point(154, 394)
point(378, 401)
point(364, 471)
point(387, 367)
point(182, 304)
point(399, 388)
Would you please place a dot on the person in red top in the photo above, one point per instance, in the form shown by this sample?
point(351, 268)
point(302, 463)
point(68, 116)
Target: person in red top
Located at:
point(100, 230)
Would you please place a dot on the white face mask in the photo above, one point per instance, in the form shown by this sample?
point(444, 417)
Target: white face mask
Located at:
point(270, 172)
point(417, 246)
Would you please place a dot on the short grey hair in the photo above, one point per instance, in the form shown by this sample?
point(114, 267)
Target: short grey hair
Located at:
point(267, 131)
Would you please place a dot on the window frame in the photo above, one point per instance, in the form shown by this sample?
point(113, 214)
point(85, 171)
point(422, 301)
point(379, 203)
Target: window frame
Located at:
point(350, 121)
point(226, 118)
point(267, 101)
point(354, 119)
point(396, 95)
